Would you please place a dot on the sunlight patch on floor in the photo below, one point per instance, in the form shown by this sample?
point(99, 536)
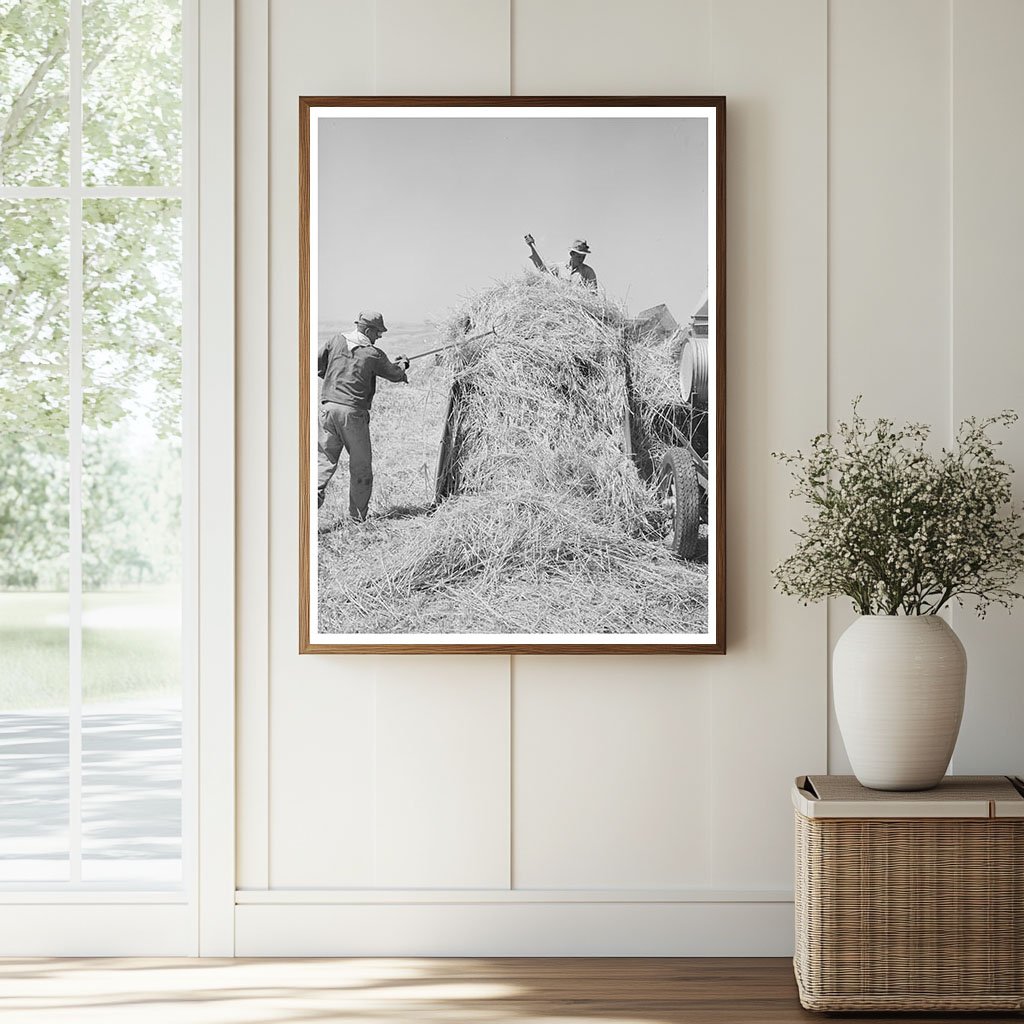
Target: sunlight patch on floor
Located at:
point(361, 991)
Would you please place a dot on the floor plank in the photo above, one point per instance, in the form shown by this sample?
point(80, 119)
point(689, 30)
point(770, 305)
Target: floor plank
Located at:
point(392, 990)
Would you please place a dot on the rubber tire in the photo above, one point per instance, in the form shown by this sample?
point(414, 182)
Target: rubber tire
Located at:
point(677, 469)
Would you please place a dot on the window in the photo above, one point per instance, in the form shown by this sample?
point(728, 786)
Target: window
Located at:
point(95, 465)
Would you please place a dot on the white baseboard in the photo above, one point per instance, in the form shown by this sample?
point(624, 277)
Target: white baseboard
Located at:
point(504, 928)
point(97, 929)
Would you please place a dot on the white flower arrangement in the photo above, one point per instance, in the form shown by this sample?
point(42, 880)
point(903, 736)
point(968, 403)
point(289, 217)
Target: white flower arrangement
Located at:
point(899, 530)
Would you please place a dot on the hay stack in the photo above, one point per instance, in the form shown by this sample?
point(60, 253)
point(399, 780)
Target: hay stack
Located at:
point(552, 529)
point(531, 564)
point(543, 401)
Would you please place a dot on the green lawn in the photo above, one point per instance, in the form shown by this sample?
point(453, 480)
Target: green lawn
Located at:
point(130, 647)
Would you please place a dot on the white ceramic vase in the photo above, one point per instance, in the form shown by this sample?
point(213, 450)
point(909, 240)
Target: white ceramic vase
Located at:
point(898, 683)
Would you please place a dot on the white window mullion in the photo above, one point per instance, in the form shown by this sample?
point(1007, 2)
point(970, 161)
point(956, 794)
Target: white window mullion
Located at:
point(75, 299)
point(96, 191)
point(189, 195)
point(34, 192)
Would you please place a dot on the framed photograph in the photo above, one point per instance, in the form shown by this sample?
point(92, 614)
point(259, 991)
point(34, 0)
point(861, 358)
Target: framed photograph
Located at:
point(512, 375)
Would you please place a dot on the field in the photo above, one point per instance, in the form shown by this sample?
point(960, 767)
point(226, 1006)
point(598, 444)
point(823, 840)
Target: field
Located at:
point(507, 560)
point(130, 647)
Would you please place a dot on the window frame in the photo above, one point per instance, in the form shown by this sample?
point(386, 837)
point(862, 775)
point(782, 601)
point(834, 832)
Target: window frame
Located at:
point(117, 918)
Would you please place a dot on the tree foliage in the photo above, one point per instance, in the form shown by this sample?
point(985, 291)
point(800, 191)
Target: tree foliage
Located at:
point(131, 92)
point(131, 293)
point(34, 75)
point(132, 313)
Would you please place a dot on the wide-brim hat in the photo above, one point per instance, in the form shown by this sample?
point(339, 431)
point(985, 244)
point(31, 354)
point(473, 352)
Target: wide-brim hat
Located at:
point(371, 319)
point(580, 246)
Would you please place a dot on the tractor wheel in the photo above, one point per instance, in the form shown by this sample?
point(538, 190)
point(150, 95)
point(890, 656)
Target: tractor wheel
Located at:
point(680, 499)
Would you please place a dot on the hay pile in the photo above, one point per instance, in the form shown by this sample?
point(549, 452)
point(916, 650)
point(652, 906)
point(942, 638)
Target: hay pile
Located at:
point(543, 400)
point(652, 362)
point(531, 564)
point(552, 528)
point(515, 535)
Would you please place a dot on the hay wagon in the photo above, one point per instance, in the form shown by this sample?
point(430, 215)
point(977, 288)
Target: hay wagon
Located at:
point(667, 440)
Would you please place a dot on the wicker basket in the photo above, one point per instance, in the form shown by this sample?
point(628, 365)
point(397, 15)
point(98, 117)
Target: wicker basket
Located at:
point(910, 901)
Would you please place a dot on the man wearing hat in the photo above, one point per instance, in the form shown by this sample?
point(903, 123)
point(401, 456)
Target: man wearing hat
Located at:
point(574, 269)
point(349, 365)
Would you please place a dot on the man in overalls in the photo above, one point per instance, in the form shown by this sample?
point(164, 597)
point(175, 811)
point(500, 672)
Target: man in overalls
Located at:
point(349, 365)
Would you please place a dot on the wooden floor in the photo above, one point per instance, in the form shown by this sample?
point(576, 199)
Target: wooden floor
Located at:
point(381, 991)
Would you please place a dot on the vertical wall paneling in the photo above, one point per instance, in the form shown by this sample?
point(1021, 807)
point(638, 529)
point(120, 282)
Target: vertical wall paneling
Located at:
point(987, 368)
point(446, 821)
point(769, 692)
point(442, 771)
point(889, 250)
point(442, 774)
point(216, 276)
point(611, 755)
point(322, 776)
point(872, 248)
point(609, 48)
point(612, 760)
point(252, 396)
point(889, 219)
point(324, 726)
point(442, 48)
point(321, 708)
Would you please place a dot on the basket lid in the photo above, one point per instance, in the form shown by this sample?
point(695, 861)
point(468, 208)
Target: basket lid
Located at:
point(957, 796)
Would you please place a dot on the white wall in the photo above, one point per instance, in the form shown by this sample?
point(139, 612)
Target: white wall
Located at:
point(620, 805)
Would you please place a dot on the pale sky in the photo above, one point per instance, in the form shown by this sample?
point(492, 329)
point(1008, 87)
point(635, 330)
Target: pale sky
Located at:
point(416, 213)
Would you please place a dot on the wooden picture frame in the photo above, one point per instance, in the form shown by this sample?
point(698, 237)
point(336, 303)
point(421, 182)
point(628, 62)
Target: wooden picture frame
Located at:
point(362, 132)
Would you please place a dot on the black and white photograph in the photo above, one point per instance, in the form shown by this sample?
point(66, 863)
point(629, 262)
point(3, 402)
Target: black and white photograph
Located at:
point(512, 375)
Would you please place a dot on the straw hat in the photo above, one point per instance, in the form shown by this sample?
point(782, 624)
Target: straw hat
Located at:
point(371, 319)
